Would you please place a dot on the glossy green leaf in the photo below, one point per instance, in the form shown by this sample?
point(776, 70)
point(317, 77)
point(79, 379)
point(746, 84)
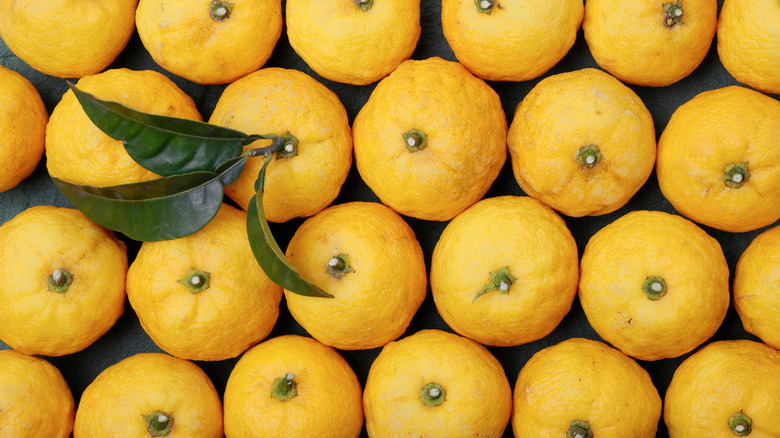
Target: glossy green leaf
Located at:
point(160, 209)
point(230, 170)
point(267, 251)
point(162, 144)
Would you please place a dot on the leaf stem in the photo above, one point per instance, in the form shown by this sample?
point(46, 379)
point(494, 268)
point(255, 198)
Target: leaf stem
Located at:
point(278, 141)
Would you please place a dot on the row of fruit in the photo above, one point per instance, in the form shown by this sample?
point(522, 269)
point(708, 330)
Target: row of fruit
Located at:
point(712, 167)
point(431, 383)
point(361, 41)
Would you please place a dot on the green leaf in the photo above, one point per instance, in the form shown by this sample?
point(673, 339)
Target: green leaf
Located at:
point(230, 170)
point(267, 251)
point(162, 144)
point(160, 209)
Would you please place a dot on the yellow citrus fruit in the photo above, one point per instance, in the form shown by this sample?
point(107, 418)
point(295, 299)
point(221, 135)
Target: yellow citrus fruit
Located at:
point(63, 281)
point(749, 42)
point(648, 42)
point(510, 40)
point(582, 143)
point(150, 394)
point(368, 258)
point(35, 401)
point(209, 41)
point(718, 159)
point(654, 285)
point(78, 152)
point(204, 297)
point(726, 389)
point(67, 38)
point(307, 178)
point(431, 139)
point(23, 119)
point(313, 392)
point(583, 388)
point(490, 285)
point(436, 384)
point(757, 287)
point(353, 41)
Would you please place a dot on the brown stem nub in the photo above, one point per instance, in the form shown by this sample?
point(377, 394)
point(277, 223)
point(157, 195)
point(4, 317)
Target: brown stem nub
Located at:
point(59, 280)
point(220, 11)
point(485, 6)
point(654, 287)
point(735, 175)
point(673, 13)
point(338, 266)
point(196, 280)
point(364, 5)
point(158, 423)
point(740, 424)
point(432, 394)
point(414, 139)
point(579, 429)
point(289, 147)
point(284, 388)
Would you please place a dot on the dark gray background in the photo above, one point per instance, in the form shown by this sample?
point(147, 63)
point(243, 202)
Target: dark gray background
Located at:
point(127, 338)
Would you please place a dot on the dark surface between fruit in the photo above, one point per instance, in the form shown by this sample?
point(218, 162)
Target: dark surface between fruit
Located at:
point(127, 337)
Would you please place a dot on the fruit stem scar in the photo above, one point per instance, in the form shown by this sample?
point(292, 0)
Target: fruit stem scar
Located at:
point(414, 139)
point(364, 5)
point(588, 156)
point(485, 6)
point(673, 13)
point(158, 423)
point(289, 147)
point(59, 280)
point(284, 388)
point(735, 175)
point(338, 266)
point(500, 280)
point(579, 429)
point(220, 11)
point(432, 394)
point(654, 287)
point(740, 424)
point(196, 280)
